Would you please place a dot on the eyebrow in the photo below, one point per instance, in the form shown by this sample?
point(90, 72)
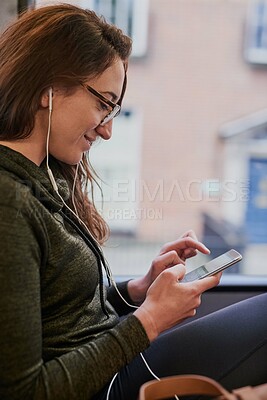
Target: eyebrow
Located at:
point(112, 94)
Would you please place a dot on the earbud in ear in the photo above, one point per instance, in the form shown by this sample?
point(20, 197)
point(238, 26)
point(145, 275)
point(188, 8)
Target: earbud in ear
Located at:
point(50, 94)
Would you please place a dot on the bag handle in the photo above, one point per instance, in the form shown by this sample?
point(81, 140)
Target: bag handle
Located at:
point(183, 385)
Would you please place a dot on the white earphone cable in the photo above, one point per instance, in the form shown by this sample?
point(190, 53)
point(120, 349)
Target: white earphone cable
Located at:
point(149, 369)
point(49, 128)
point(75, 213)
point(110, 385)
point(73, 189)
point(152, 373)
point(109, 272)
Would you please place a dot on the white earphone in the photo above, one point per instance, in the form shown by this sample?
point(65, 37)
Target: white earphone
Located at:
point(50, 108)
point(50, 94)
point(55, 187)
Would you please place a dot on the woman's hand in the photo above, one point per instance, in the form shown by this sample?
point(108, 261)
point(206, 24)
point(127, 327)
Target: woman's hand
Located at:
point(172, 253)
point(168, 302)
point(188, 251)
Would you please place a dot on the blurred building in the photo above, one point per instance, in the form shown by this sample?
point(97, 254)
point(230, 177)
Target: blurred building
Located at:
point(192, 132)
point(8, 12)
point(192, 80)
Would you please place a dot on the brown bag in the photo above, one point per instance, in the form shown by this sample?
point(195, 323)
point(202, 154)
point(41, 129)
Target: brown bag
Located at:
point(185, 385)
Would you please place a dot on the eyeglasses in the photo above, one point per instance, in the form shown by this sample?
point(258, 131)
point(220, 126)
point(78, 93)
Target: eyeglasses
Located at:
point(115, 108)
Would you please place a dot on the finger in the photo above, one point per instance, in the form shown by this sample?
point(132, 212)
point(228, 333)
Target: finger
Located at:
point(208, 282)
point(167, 260)
point(188, 253)
point(190, 233)
point(174, 273)
point(195, 244)
point(185, 243)
point(179, 271)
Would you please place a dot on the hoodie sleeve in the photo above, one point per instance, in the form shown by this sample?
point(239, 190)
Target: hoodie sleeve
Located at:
point(75, 375)
point(114, 298)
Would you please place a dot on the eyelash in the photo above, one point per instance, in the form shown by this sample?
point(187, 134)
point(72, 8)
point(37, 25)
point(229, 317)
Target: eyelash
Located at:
point(104, 106)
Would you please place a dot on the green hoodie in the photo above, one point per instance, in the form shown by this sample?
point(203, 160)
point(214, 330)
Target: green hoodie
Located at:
point(60, 332)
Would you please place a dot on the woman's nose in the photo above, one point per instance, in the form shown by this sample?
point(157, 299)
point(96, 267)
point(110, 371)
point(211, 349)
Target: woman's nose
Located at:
point(105, 131)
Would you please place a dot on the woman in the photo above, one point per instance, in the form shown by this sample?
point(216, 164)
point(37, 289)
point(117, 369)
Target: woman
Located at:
point(62, 81)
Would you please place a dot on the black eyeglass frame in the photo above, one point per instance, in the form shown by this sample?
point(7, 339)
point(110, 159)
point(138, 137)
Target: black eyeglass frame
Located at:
point(116, 108)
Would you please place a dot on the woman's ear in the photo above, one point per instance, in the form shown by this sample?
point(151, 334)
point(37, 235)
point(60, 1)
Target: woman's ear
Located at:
point(46, 98)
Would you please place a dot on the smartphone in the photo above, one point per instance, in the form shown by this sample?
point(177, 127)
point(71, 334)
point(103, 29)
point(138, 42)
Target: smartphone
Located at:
point(212, 267)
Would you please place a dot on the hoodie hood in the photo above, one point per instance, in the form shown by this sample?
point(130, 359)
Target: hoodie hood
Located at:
point(34, 177)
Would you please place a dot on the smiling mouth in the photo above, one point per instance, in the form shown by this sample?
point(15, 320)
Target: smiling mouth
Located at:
point(88, 140)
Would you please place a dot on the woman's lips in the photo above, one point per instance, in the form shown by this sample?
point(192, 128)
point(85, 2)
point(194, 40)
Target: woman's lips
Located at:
point(89, 142)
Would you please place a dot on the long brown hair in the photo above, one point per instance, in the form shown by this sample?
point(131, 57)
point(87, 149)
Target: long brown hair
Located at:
point(50, 45)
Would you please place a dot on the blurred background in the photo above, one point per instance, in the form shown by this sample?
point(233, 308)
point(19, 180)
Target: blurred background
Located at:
point(189, 150)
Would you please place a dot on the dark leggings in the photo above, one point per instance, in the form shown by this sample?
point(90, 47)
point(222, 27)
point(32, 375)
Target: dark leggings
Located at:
point(229, 345)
